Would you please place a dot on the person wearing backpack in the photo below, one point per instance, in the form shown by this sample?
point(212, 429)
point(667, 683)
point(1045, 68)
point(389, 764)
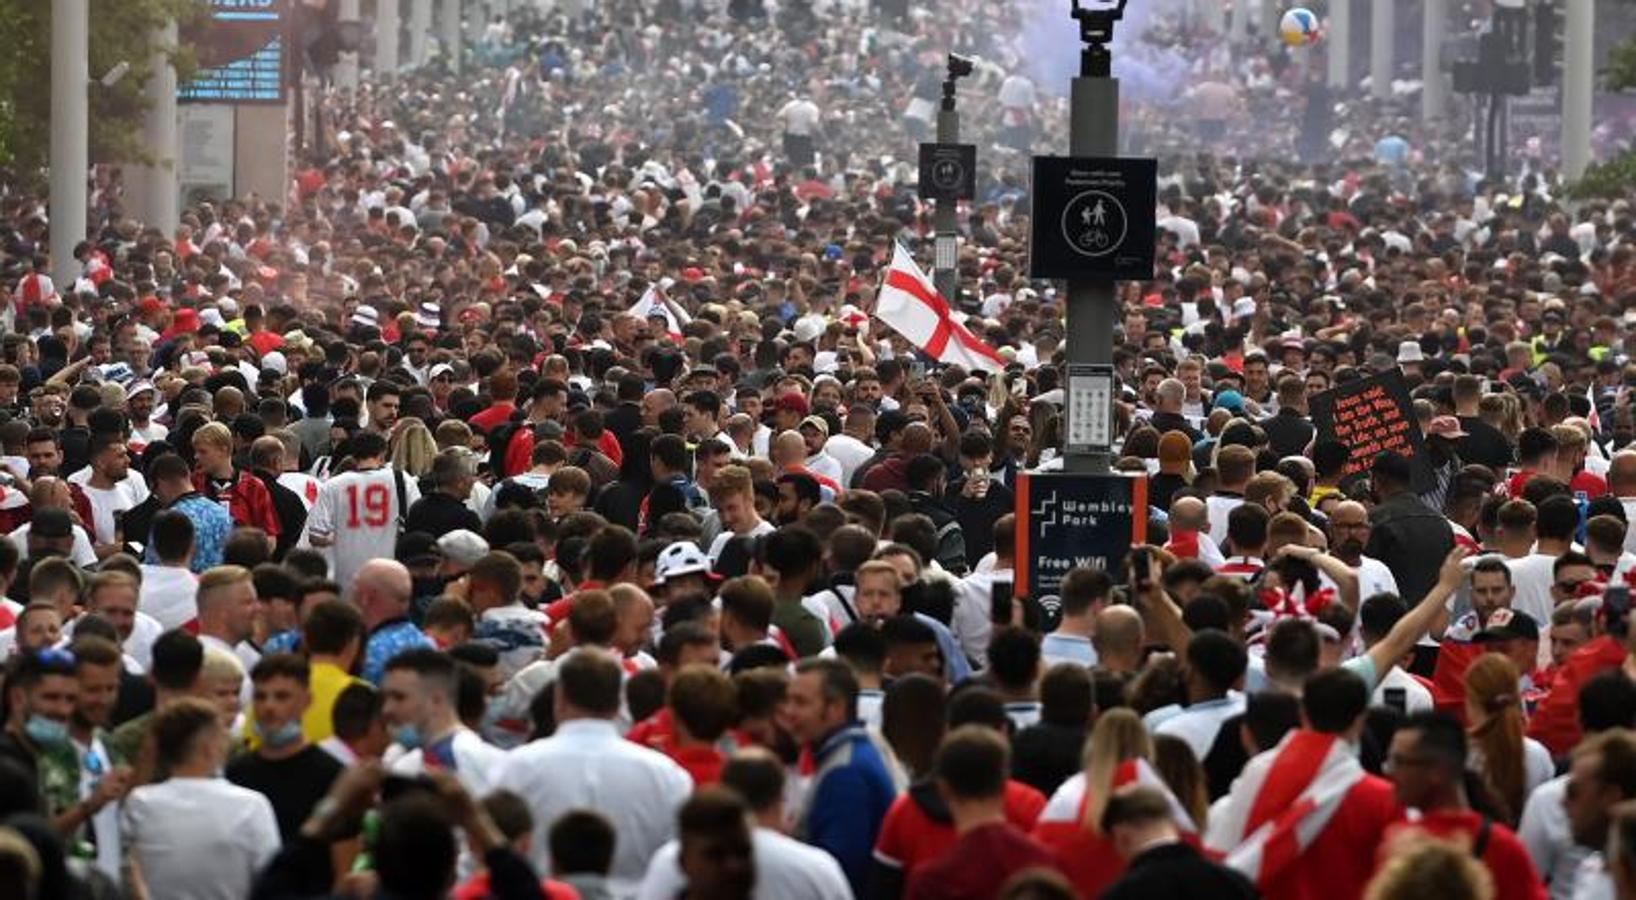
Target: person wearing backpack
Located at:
point(927, 474)
point(1427, 765)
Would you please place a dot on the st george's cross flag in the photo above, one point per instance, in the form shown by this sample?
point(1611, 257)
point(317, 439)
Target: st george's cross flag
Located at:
point(912, 306)
point(1281, 803)
point(655, 305)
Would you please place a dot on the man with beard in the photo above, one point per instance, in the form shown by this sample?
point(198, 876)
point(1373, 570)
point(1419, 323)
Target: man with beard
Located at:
point(139, 403)
point(798, 493)
point(97, 666)
point(1348, 535)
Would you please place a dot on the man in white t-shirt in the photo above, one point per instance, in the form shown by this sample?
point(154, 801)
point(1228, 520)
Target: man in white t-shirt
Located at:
point(1375, 620)
point(734, 496)
point(109, 493)
point(1348, 535)
point(169, 588)
point(358, 513)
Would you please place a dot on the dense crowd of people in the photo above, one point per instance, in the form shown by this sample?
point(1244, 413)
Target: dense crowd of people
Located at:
point(534, 504)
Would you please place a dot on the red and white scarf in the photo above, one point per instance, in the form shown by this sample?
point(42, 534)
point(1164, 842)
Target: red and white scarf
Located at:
point(1282, 802)
point(1067, 806)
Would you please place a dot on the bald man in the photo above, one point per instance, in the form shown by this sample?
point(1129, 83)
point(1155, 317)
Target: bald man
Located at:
point(789, 454)
point(381, 592)
point(1190, 532)
point(1622, 484)
point(1118, 639)
point(1348, 535)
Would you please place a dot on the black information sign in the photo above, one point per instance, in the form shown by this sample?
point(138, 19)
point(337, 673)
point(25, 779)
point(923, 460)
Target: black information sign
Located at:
point(1071, 519)
point(1369, 416)
point(240, 47)
point(1093, 218)
point(948, 171)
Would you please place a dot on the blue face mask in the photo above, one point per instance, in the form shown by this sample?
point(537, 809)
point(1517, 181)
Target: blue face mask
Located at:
point(407, 735)
point(46, 732)
point(285, 735)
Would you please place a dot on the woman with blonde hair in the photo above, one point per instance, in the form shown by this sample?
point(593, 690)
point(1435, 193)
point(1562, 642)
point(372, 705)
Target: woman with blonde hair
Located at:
point(1508, 765)
point(412, 448)
point(1118, 752)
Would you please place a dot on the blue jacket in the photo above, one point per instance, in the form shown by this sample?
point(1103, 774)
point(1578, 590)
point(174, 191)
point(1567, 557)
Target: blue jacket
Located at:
point(850, 795)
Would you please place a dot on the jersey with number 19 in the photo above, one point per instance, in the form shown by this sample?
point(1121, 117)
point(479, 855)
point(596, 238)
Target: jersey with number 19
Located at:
point(359, 512)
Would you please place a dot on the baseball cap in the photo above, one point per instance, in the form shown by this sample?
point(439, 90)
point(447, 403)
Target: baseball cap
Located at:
point(678, 559)
point(462, 547)
point(1445, 427)
point(792, 402)
point(1508, 625)
point(816, 422)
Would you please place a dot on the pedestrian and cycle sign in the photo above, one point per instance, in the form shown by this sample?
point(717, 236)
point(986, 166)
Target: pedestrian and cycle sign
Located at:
point(948, 171)
point(1093, 218)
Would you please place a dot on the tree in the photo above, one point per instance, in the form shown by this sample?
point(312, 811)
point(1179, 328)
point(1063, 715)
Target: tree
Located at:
point(121, 31)
point(1616, 177)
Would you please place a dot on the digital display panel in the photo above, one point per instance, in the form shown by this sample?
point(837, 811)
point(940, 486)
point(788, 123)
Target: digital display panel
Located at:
point(241, 53)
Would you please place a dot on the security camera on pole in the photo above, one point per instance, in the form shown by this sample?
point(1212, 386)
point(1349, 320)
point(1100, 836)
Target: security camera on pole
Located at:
point(948, 174)
point(1093, 225)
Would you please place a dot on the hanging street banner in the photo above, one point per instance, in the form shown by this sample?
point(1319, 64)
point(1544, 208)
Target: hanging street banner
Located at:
point(1093, 217)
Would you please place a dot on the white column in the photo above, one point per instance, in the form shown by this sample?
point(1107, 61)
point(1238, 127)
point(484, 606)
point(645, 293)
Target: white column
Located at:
point(1380, 47)
point(346, 67)
point(450, 34)
point(1578, 79)
point(386, 37)
point(420, 29)
point(1213, 15)
point(1270, 14)
point(70, 134)
point(1238, 27)
point(1339, 43)
point(154, 191)
point(1434, 91)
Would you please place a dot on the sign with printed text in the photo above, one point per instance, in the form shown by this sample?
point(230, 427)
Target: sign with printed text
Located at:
point(1370, 416)
point(948, 171)
point(1093, 217)
point(240, 47)
point(1070, 519)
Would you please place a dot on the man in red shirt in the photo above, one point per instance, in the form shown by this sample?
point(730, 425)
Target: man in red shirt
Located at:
point(244, 495)
point(703, 705)
point(1427, 762)
point(503, 393)
point(971, 769)
point(1311, 777)
point(1556, 720)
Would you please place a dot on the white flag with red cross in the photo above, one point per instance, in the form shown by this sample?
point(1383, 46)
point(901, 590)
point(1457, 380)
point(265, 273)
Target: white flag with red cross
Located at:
point(912, 306)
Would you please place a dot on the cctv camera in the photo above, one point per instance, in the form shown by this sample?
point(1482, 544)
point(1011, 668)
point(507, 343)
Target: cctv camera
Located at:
point(959, 66)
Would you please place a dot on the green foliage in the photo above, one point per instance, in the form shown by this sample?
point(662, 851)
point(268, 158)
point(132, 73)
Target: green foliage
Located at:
point(1621, 70)
point(1609, 180)
point(121, 31)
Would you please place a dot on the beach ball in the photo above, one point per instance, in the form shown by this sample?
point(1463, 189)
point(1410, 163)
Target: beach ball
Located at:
point(1299, 27)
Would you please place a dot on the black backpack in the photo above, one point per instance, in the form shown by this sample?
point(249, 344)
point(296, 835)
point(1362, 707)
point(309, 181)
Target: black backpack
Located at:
point(499, 440)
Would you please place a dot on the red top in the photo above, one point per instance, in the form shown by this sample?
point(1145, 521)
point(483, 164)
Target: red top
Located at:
point(477, 888)
point(978, 864)
point(1591, 483)
point(703, 763)
point(558, 610)
point(1338, 865)
point(248, 500)
point(1556, 721)
point(911, 837)
point(1507, 860)
point(496, 414)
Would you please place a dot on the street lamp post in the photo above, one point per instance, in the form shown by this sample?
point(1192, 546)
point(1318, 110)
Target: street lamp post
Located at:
point(1093, 131)
point(946, 264)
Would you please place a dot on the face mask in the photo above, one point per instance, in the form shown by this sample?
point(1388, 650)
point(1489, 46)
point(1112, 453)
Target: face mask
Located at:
point(283, 736)
point(46, 732)
point(407, 735)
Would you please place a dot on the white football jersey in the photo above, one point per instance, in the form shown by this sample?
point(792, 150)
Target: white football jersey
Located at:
point(360, 512)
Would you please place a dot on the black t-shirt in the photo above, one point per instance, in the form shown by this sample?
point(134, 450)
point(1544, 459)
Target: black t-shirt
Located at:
point(1484, 445)
point(293, 785)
